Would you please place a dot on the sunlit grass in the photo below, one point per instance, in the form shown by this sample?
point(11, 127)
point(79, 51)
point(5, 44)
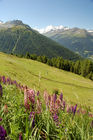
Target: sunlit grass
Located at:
point(40, 77)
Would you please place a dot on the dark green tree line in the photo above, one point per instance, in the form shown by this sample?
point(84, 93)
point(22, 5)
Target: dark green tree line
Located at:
point(80, 67)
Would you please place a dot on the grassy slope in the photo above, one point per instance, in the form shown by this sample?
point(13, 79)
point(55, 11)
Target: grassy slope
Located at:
point(40, 76)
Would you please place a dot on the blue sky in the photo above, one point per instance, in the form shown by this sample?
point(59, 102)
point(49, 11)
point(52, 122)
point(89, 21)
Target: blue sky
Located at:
point(41, 13)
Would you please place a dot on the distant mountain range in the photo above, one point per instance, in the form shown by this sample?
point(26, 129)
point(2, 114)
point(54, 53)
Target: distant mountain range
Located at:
point(19, 38)
point(75, 39)
point(52, 29)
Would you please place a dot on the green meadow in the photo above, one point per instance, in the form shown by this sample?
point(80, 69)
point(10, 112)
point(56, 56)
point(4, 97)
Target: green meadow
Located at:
point(42, 77)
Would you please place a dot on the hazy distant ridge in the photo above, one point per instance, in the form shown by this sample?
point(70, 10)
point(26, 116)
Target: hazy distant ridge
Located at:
point(75, 39)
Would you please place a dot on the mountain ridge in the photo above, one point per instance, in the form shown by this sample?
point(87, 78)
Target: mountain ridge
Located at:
point(58, 28)
point(19, 38)
point(77, 40)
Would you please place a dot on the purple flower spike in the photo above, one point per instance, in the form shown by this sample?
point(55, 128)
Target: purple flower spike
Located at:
point(2, 133)
point(64, 105)
point(38, 93)
point(8, 80)
point(15, 83)
point(32, 114)
point(75, 107)
point(20, 136)
point(55, 117)
point(33, 123)
point(61, 96)
point(54, 97)
point(1, 92)
point(3, 79)
point(0, 119)
point(72, 109)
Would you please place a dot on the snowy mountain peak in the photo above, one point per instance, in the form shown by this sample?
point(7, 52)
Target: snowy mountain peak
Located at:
point(51, 28)
point(1, 22)
point(90, 31)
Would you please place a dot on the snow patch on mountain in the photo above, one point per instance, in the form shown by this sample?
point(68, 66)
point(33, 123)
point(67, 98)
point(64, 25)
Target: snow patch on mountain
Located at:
point(51, 28)
point(90, 31)
point(1, 22)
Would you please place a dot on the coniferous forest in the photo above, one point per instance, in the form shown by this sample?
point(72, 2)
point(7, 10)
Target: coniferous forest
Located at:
point(82, 67)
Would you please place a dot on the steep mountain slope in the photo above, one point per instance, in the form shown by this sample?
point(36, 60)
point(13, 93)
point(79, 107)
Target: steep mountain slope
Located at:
point(75, 39)
point(18, 38)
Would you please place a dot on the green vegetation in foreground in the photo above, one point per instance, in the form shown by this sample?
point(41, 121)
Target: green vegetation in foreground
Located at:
point(40, 122)
point(40, 77)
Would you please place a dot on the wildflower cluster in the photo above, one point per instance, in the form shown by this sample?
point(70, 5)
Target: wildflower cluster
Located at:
point(35, 116)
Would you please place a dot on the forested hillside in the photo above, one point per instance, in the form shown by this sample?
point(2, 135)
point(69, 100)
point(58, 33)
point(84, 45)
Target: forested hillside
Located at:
point(18, 38)
point(75, 39)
